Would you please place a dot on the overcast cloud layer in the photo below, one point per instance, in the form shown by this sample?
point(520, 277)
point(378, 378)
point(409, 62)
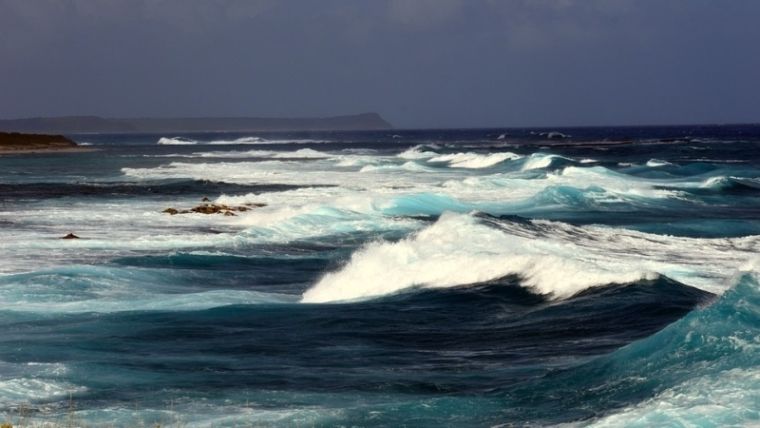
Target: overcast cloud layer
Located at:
point(423, 63)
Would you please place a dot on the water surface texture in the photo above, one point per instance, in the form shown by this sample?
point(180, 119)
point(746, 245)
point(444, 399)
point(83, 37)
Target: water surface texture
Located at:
point(590, 276)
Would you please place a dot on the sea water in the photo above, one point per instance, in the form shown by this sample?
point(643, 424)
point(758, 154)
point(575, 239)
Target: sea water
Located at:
point(608, 277)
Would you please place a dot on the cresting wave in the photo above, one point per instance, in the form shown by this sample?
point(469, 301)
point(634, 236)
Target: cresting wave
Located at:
point(551, 258)
point(702, 370)
point(474, 160)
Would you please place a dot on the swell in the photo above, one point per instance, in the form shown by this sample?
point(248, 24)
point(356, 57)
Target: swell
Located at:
point(454, 342)
point(127, 189)
point(700, 370)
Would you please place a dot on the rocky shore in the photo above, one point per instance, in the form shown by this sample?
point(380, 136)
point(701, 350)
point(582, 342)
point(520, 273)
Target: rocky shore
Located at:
point(207, 207)
point(14, 142)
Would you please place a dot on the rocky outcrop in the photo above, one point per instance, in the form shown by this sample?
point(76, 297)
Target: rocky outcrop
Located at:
point(14, 141)
point(207, 207)
point(70, 236)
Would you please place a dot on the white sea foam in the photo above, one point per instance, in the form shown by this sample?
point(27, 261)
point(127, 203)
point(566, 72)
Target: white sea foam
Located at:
point(656, 163)
point(474, 160)
point(417, 152)
point(243, 140)
point(176, 141)
point(296, 154)
point(540, 161)
point(24, 390)
point(552, 258)
point(406, 166)
point(726, 399)
point(237, 141)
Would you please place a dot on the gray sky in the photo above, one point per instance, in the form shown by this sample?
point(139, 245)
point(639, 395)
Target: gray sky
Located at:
point(419, 63)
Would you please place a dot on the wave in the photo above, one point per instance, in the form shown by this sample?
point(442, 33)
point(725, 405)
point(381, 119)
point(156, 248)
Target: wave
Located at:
point(410, 166)
point(420, 152)
point(317, 222)
point(124, 189)
point(24, 383)
point(176, 141)
point(702, 370)
point(455, 251)
point(243, 140)
point(656, 163)
point(182, 141)
point(474, 160)
point(78, 289)
point(722, 183)
point(544, 161)
point(296, 154)
point(26, 390)
point(551, 258)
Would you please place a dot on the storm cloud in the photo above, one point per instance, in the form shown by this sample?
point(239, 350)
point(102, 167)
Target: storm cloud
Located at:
point(419, 63)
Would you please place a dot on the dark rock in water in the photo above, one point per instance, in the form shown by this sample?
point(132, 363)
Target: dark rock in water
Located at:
point(70, 236)
point(209, 208)
point(205, 199)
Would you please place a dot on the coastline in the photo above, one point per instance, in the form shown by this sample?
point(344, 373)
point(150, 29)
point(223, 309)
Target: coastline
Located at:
point(32, 151)
point(18, 143)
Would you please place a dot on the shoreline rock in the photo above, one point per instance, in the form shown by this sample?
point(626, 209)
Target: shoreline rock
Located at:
point(211, 208)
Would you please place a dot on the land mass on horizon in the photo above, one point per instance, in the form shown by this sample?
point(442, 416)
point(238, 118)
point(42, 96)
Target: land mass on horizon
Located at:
point(16, 143)
point(97, 124)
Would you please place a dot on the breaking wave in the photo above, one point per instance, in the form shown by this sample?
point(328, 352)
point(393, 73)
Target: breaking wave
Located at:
point(550, 258)
point(182, 141)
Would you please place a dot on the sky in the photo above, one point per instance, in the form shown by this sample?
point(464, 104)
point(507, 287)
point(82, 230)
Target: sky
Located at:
point(419, 63)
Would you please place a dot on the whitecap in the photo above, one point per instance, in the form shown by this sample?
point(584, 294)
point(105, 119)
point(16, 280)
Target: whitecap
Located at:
point(550, 257)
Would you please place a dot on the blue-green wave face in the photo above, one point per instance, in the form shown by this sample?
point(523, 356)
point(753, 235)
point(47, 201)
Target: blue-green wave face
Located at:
point(416, 278)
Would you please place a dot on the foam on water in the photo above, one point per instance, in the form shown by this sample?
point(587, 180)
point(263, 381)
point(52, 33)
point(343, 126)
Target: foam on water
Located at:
point(18, 391)
point(296, 154)
point(419, 152)
point(176, 141)
point(656, 163)
point(542, 161)
point(243, 140)
point(474, 160)
point(551, 258)
point(364, 227)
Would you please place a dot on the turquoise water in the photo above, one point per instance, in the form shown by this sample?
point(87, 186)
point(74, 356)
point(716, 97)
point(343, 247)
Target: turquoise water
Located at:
point(413, 278)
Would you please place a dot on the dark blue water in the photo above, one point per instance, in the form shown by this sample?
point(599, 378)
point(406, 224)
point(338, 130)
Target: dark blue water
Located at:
point(406, 278)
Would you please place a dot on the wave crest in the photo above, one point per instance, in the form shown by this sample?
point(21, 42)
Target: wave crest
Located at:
point(551, 258)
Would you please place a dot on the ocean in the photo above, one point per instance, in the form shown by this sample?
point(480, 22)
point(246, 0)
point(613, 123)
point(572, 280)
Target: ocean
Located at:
point(483, 277)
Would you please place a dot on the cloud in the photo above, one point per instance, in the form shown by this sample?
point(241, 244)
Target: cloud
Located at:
point(423, 14)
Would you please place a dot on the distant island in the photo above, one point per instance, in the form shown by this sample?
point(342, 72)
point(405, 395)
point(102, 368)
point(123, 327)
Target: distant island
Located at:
point(96, 124)
point(35, 143)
